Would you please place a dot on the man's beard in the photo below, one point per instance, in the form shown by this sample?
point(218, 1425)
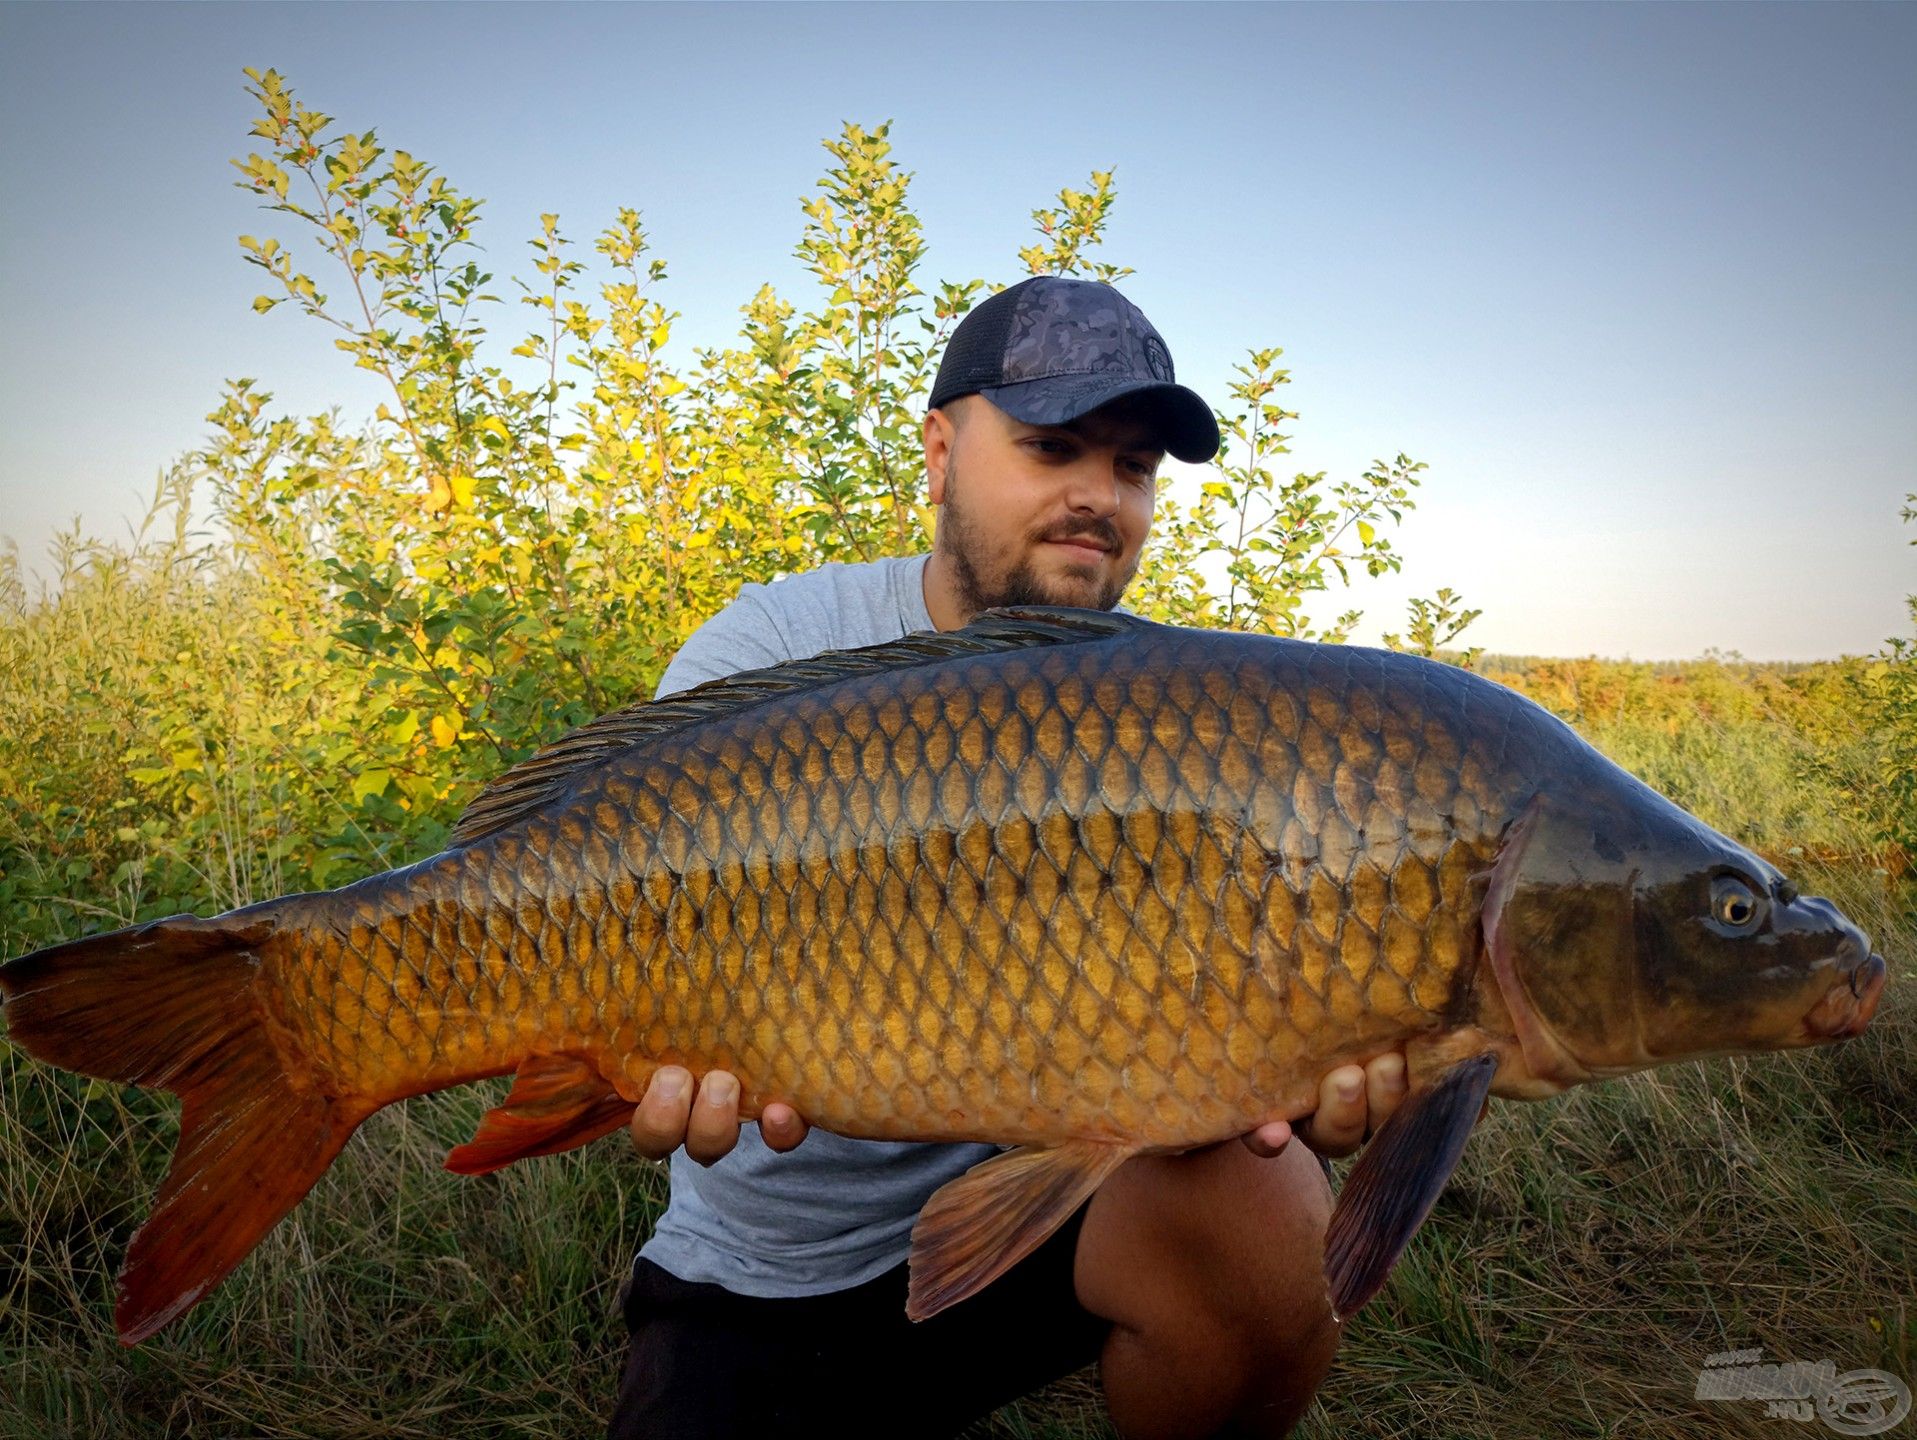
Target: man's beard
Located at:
point(1021, 585)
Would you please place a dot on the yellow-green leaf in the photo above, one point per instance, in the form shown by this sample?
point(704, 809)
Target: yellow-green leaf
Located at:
point(370, 782)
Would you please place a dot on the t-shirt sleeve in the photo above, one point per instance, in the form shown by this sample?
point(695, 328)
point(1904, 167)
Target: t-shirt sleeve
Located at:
point(743, 636)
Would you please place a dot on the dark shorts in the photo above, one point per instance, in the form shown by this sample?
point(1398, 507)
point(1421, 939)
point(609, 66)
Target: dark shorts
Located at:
point(705, 1363)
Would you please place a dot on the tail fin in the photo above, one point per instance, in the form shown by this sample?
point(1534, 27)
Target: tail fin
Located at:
point(171, 1005)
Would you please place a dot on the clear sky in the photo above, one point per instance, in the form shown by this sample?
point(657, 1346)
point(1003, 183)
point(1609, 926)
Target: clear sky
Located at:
point(1638, 282)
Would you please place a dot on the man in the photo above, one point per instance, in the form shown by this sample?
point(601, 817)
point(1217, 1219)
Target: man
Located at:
point(771, 1297)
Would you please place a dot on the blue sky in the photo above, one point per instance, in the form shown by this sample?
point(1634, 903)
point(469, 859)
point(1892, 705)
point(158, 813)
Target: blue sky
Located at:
point(1639, 283)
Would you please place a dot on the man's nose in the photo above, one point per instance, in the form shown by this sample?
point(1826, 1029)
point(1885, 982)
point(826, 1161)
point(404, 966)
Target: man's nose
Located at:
point(1093, 485)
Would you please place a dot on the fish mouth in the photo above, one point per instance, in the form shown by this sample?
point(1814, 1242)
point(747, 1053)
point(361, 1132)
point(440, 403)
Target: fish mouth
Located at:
point(1846, 1009)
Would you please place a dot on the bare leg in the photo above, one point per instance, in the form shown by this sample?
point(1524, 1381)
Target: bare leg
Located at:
point(1208, 1265)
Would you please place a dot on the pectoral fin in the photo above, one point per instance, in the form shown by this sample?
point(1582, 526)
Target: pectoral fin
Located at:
point(557, 1102)
point(1398, 1180)
point(978, 1226)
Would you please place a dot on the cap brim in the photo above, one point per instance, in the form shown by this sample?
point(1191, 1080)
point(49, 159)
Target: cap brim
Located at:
point(1187, 425)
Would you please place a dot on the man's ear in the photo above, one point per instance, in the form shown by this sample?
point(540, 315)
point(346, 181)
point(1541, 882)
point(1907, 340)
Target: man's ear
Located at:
point(940, 434)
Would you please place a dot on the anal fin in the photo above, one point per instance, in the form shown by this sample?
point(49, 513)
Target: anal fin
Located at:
point(1393, 1187)
point(978, 1226)
point(558, 1102)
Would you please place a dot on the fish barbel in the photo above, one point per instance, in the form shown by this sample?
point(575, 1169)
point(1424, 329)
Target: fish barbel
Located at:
point(1066, 880)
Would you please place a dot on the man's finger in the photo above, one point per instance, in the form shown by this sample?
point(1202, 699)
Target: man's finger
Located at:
point(713, 1127)
point(1338, 1126)
point(780, 1126)
point(1384, 1087)
point(659, 1124)
point(1268, 1140)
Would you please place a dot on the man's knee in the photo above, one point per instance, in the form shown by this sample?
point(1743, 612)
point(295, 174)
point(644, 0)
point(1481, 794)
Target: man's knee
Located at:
point(1210, 1266)
point(1234, 1225)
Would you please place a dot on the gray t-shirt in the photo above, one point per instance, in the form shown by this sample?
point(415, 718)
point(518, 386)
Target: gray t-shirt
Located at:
point(834, 1212)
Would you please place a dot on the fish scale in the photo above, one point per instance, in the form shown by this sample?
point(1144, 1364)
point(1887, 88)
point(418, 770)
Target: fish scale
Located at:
point(1062, 880)
point(1148, 885)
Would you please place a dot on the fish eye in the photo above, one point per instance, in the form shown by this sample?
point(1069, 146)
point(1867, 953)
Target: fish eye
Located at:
point(1733, 902)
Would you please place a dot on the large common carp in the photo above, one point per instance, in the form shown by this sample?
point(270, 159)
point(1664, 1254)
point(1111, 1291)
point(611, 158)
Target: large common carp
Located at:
point(1064, 879)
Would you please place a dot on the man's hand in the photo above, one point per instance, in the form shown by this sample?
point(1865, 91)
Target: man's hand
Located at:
point(1352, 1104)
point(707, 1124)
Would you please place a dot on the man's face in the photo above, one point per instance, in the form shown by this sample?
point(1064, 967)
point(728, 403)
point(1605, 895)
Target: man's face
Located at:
point(1042, 514)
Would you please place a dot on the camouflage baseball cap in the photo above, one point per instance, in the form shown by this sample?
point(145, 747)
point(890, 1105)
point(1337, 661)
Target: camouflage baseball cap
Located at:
point(1049, 349)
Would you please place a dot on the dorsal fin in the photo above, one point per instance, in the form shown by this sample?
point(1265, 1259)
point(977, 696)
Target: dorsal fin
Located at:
point(537, 780)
